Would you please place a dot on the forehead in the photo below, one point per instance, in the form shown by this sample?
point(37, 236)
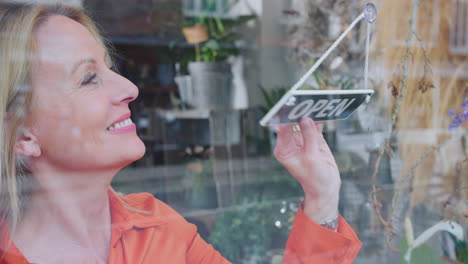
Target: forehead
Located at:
point(62, 40)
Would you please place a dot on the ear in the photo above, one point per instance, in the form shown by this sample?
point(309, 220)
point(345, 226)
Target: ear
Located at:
point(28, 145)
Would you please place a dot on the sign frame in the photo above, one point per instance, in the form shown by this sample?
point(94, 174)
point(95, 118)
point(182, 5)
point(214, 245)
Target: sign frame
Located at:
point(299, 103)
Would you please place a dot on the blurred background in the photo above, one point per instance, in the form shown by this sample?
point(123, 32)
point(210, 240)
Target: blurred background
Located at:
point(208, 70)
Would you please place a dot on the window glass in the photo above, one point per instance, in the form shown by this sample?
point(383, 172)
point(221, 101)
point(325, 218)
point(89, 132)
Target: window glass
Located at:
point(207, 71)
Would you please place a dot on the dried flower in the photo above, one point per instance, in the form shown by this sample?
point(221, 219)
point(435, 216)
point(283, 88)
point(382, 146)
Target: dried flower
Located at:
point(459, 118)
point(451, 112)
point(465, 104)
point(394, 88)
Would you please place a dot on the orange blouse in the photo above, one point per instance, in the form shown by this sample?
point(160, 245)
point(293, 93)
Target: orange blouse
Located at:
point(166, 237)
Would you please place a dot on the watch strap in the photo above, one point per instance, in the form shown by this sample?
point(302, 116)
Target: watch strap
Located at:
point(331, 224)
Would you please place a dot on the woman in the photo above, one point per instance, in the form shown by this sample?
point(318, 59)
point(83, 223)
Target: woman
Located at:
point(67, 131)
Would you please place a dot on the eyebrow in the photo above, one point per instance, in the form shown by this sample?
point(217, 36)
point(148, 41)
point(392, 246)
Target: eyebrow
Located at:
point(81, 62)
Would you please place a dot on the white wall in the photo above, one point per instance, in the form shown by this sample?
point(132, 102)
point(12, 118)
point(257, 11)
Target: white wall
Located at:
point(266, 58)
point(274, 70)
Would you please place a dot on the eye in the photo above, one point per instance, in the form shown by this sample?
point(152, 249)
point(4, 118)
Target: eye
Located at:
point(89, 79)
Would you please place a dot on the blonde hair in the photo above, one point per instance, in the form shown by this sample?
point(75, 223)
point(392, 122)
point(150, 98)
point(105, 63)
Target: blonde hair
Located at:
point(18, 23)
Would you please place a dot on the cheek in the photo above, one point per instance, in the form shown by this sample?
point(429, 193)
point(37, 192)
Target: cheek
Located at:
point(70, 127)
point(83, 136)
point(90, 122)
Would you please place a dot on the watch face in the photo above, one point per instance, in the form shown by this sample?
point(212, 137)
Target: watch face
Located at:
point(332, 224)
point(318, 105)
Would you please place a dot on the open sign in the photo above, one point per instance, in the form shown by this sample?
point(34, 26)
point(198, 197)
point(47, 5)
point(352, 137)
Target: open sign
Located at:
point(320, 105)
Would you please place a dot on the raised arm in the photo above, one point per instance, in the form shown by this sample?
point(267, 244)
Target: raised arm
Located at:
point(313, 239)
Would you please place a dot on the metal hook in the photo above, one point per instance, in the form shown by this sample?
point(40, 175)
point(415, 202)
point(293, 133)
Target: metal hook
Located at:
point(370, 13)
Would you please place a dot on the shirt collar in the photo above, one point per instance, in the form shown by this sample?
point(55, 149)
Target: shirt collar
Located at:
point(8, 250)
point(124, 219)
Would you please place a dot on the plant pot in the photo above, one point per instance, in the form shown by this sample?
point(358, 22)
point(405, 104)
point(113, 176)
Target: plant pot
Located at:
point(204, 196)
point(211, 85)
point(195, 34)
point(226, 128)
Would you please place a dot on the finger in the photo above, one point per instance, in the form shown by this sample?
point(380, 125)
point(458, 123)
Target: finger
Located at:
point(281, 128)
point(320, 135)
point(285, 141)
point(319, 126)
point(309, 134)
point(283, 133)
point(322, 143)
point(320, 139)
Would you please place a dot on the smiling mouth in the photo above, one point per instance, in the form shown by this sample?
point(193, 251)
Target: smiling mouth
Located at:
point(126, 123)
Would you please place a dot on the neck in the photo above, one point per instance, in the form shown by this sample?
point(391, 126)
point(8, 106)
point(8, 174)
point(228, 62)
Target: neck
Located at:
point(68, 206)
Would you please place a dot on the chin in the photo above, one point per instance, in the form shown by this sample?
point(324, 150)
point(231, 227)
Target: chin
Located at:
point(130, 154)
point(122, 155)
point(139, 151)
point(127, 160)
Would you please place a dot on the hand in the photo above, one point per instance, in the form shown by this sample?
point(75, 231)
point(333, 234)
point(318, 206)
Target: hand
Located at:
point(308, 158)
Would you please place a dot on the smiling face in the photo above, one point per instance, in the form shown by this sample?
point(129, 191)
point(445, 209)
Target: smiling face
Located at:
point(78, 101)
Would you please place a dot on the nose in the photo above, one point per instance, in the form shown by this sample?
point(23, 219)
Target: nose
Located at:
point(123, 90)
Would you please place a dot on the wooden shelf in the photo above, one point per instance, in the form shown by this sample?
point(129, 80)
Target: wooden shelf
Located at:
point(140, 40)
point(165, 89)
point(184, 114)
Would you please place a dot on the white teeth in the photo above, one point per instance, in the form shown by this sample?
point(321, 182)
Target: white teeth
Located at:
point(125, 123)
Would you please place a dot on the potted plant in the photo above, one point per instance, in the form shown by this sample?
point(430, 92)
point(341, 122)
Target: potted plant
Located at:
point(256, 222)
point(195, 34)
point(270, 97)
point(203, 192)
point(326, 80)
point(214, 42)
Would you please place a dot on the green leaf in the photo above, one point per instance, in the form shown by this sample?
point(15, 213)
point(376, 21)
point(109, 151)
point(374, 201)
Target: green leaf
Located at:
point(423, 254)
point(266, 97)
point(220, 25)
point(461, 249)
point(317, 79)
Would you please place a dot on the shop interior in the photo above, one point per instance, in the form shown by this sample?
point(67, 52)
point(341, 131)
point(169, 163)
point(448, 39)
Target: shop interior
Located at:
point(209, 70)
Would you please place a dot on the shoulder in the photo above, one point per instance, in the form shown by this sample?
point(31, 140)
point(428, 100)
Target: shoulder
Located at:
point(155, 212)
point(148, 203)
point(158, 215)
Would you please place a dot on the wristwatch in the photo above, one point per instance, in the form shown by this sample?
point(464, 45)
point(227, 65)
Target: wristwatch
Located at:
point(331, 224)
